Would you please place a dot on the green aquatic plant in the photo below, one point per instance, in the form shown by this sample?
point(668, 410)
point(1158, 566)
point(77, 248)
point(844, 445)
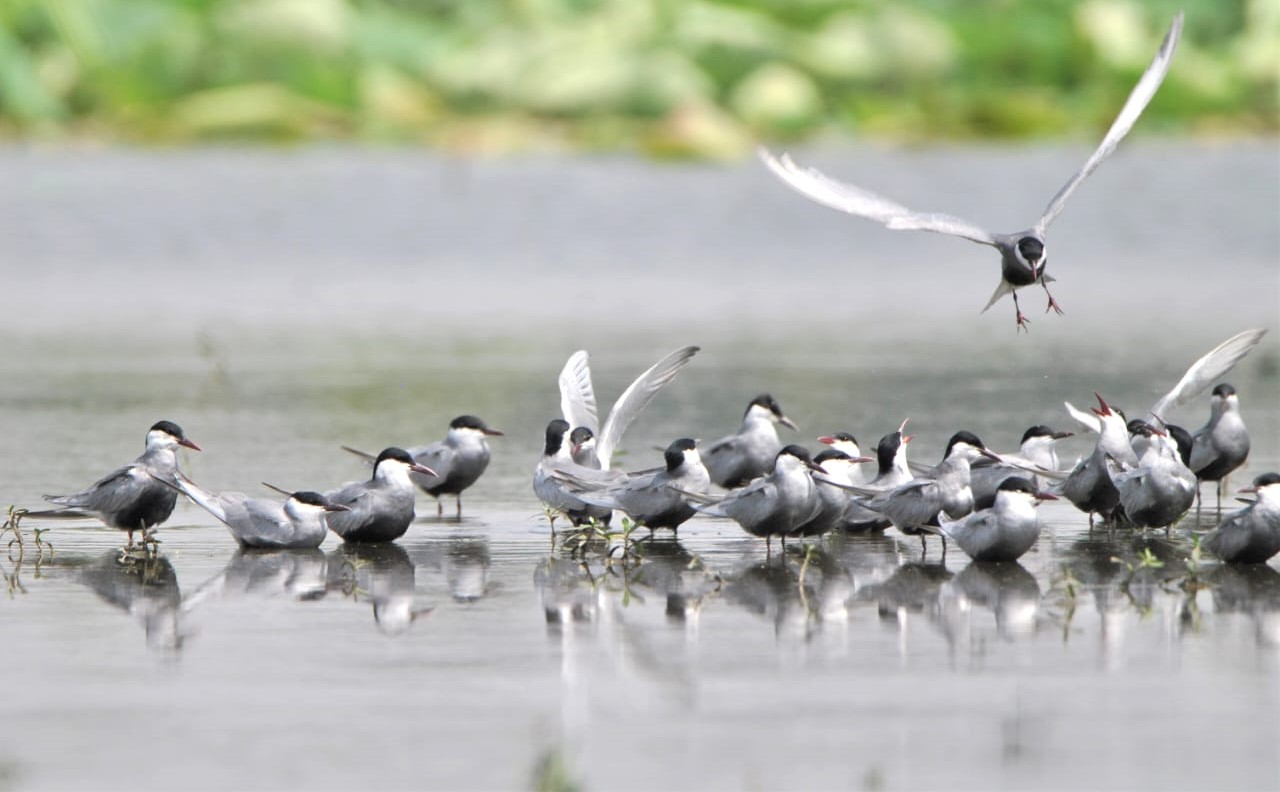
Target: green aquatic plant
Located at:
point(552, 773)
point(13, 526)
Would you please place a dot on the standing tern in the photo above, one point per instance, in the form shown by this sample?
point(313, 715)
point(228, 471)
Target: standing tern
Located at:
point(548, 476)
point(775, 504)
point(1037, 455)
point(893, 471)
point(134, 497)
point(847, 443)
point(831, 489)
point(735, 460)
point(578, 399)
point(380, 508)
point(1161, 488)
point(1022, 254)
point(1222, 444)
point(652, 498)
point(1089, 486)
point(298, 523)
point(1252, 534)
point(1004, 531)
point(458, 459)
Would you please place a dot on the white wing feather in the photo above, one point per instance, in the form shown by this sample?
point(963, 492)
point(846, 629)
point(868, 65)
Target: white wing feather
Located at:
point(816, 186)
point(1138, 99)
point(636, 397)
point(577, 396)
point(1208, 369)
point(1091, 422)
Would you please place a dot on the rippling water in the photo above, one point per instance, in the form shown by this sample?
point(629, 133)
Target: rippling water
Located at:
point(279, 305)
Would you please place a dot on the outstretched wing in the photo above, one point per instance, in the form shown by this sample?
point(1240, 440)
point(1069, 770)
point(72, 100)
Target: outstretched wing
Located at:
point(1091, 422)
point(1205, 371)
point(577, 396)
point(636, 397)
point(816, 186)
point(1138, 99)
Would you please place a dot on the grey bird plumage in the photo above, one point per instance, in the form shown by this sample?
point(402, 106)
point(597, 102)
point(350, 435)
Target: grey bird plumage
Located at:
point(380, 508)
point(893, 471)
point(458, 460)
point(556, 461)
point(1089, 486)
point(775, 504)
point(737, 459)
point(298, 523)
point(652, 498)
point(1161, 488)
point(831, 489)
point(1250, 535)
point(1004, 531)
point(1037, 457)
point(1023, 255)
point(1222, 444)
point(134, 497)
point(578, 402)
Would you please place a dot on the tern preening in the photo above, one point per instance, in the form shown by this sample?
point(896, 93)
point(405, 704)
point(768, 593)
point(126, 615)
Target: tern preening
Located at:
point(298, 523)
point(1024, 254)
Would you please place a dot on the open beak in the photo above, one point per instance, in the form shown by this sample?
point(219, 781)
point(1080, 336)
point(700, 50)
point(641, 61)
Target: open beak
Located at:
point(423, 469)
point(1103, 409)
point(189, 444)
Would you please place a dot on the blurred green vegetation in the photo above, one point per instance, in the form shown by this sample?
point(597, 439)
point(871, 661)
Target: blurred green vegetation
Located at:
point(669, 77)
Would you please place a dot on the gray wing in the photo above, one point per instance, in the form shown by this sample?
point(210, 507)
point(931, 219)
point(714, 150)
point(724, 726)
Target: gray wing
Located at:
point(1208, 369)
point(577, 395)
point(1230, 538)
point(262, 520)
point(636, 397)
point(1138, 99)
point(113, 492)
point(438, 456)
point(816, 186)
point(974, 532)
point(226, 506)
point(912, 504)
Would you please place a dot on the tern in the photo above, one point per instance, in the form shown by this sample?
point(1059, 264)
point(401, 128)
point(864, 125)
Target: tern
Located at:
point(846, 442)
point(831, 488)
point(1004, 531)
point(458, 459)
point(893, 471)
point(578, 401)
point(1222, 444)
point(1089, 486)
point(1037, 455)
point(380, 508)
point(775, 504)
point(1023, 254)
point(1252, 534)
point(652, 498)
point(298, 523)
point(548, 483)
point(734, 460)
point(1161, 488)
point(134, 497)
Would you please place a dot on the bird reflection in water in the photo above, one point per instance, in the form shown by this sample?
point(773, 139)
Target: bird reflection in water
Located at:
point(146, 588)
point(798, 591)
point(1005, 588)
point(1251, 590)
point(296, 574)
point(381, 574)
point(679, 576)
point(464, 562)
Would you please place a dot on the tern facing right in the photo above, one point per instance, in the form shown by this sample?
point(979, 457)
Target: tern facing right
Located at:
point(380, 508)
point(653, 498)
point(298, 523)
point(1221, 445)
point(136, 497)
point(734, 460)
point(1250, 535)
point(1003, 532)
point(1023, 255)
point(775, 504)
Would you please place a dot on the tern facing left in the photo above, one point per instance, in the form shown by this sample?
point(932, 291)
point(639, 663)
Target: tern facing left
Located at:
point(1003, 532)
point(134, 497)
point(380, 508)
point(1023, 254)
point(652, 498)
point(775, 504)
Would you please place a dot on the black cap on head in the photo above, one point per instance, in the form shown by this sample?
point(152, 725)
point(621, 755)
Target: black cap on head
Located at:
point(1039, 430)
point(1183, 438)
point(1139, 428)
point(468, 422)
point(310, 498)
point(766, 401)
point(797, 451)
point(581, 435)
point(962, 436)
point(887, 450)
point(1031, 248)
point(845, 437)
point(1266, 479)
point(1017, 484)
point(168, 427)
point(555, 435)
point(398, 454)
point(1224, 390)
point(830, 453)
point(674, 455)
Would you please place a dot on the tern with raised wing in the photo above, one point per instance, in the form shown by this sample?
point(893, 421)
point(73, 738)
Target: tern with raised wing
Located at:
point(1023, 255)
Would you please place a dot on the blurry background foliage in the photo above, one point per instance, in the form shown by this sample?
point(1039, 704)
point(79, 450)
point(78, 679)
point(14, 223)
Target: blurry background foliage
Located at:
point(699, 78)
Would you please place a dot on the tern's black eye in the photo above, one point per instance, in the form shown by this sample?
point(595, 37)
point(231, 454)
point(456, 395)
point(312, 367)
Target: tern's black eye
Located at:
point(1031, 248)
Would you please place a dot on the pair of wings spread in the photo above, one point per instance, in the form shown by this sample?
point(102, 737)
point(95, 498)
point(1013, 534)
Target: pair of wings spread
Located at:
point(856, 201)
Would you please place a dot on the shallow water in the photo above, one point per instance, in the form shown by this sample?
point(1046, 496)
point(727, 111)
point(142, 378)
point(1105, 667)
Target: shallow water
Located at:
point(467, 653)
